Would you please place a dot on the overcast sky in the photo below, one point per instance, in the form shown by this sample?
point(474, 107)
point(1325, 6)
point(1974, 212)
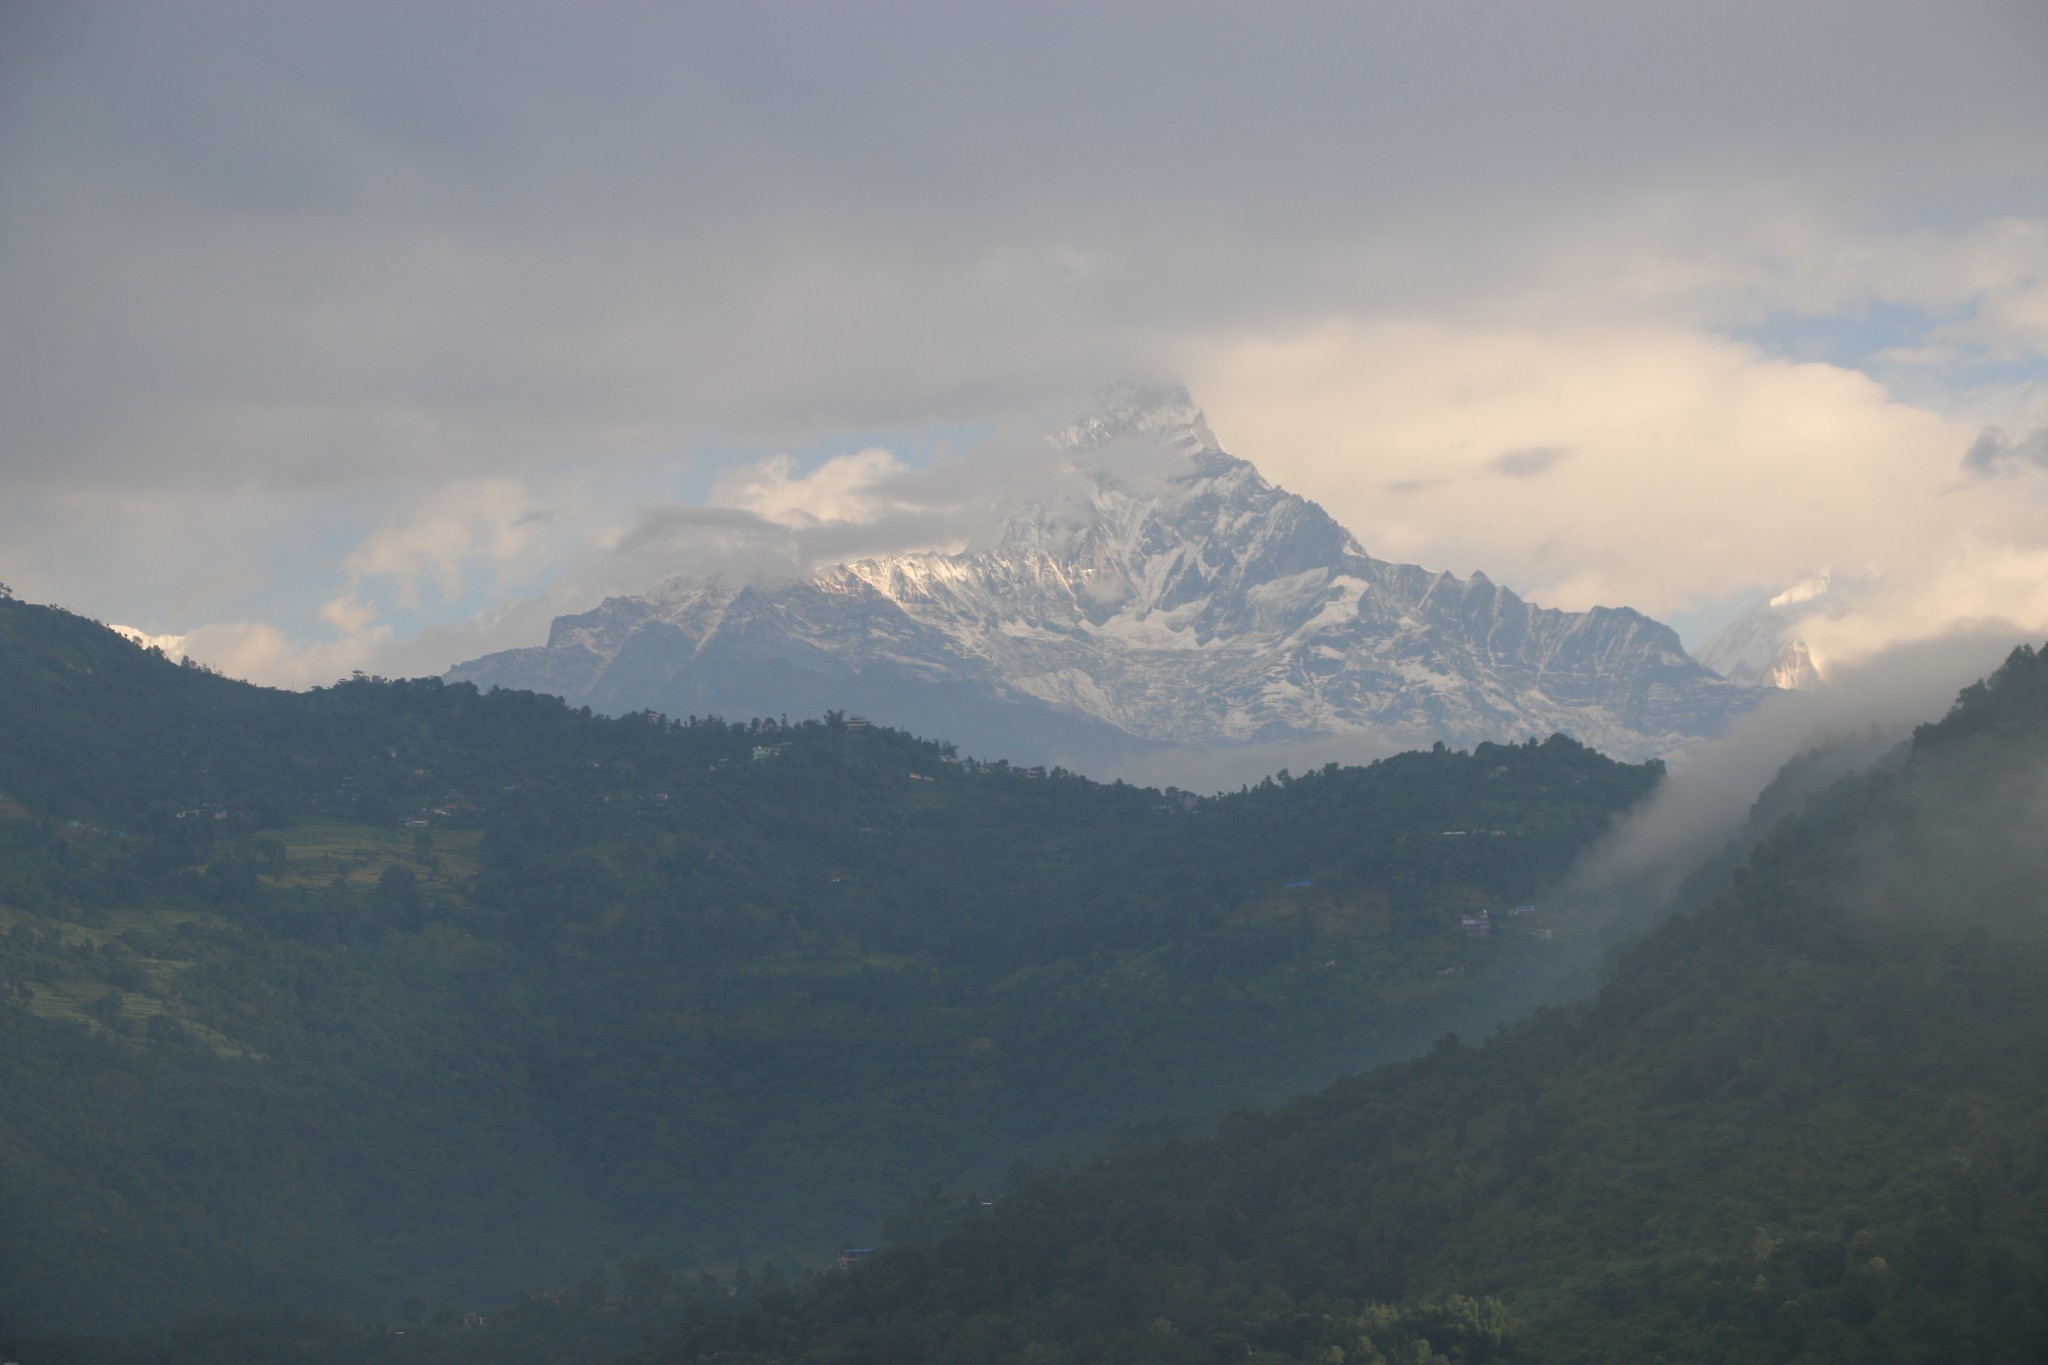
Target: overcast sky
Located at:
point(353, 336)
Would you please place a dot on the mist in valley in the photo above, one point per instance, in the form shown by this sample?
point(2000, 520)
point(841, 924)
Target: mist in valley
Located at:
point(1676, 850)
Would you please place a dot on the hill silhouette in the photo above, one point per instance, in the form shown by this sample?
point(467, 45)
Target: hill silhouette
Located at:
point(395, 991)
point(1808, 1122)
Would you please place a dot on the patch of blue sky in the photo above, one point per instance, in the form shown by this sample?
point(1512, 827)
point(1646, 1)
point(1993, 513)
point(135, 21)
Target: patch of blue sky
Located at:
point(295, 567)
point(1995, 369)
point(1857, 338)
point(1913, 351)
point(1963, 379)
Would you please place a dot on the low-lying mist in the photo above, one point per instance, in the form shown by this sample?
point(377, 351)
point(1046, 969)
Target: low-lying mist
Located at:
point(1677, 848)
point(1707, 799)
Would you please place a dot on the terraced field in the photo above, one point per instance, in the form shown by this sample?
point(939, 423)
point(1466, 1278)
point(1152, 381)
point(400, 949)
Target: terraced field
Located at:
point(330, 853)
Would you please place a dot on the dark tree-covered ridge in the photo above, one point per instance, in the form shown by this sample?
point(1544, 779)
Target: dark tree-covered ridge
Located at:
point(398, 992)
point(1806, 1123)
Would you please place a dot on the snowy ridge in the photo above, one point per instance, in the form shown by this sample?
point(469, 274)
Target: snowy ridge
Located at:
point(1762, 647)
point(1180, 599)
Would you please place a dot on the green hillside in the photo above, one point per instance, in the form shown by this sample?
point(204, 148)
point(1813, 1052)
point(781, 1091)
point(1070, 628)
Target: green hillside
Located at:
point(391, 993)
point(1807, 1123)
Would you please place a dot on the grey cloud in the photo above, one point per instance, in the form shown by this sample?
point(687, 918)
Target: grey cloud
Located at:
point(314, 257)
point(1013, 467)
point(1527, 462)
point(367, 243)
point(213, 587)
point(669, 526)
point(729, 542)
point(1993, 452)
point(675, 538)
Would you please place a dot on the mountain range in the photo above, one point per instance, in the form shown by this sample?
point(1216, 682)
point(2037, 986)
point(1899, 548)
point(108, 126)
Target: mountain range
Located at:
point(1178, 600)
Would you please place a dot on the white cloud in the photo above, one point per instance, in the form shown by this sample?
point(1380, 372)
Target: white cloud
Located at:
point(843, 488)
point(258, 651)
point(1698, 467)
point(439, 539)
point(170, 645)
point(1696, 463)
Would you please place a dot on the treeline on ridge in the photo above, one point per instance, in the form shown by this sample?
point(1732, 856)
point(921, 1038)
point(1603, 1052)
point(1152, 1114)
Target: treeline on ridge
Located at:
point(1806, 1123)
point(394, 993)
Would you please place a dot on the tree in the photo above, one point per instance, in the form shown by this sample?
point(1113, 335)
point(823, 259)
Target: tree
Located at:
point(399, 889)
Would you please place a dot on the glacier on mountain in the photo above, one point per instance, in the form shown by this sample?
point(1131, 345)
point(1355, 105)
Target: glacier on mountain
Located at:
point(1167, 595)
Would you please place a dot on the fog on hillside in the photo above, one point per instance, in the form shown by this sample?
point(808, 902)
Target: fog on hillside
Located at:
point(1711, 789)
point(1679, 845)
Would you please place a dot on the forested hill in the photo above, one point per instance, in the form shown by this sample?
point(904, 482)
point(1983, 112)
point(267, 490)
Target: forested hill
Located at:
point(1807, 1123)
point(395, 994)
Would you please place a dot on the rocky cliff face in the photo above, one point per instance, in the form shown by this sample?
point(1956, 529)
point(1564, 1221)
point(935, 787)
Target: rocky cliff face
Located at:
point(1175, 598)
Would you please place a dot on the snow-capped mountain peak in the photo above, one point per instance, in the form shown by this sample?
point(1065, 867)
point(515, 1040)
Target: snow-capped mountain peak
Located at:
point(1763, 647)
point(1160, 417)
point(1171, 595)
